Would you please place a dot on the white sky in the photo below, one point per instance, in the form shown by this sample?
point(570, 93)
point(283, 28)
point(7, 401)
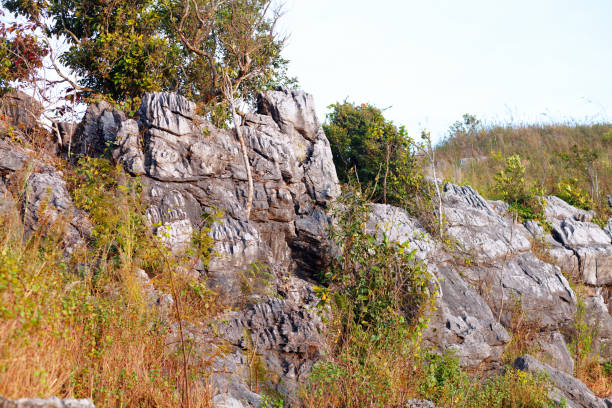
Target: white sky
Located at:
point(431, 61)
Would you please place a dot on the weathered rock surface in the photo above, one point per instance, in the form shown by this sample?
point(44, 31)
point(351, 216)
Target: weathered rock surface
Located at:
point(96, 132)
point(462, 320)
point(499, 263)
point(573, 390)
point(286, 338)
point(46, 403)
point(191, 167)
point(47, 201)
point(19, 110)
point(489, 276)
point(553, 351)
point(598, 318)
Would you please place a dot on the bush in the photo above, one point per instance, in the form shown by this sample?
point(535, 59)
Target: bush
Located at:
point(569, 191)
point(372, 150)
point(377, 292)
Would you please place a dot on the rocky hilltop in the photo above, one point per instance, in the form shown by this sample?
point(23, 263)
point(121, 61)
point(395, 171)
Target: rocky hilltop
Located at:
point(493, 275)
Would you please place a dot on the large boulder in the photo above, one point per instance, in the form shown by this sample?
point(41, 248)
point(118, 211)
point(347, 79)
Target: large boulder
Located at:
point(190, 167)
point(462, 321)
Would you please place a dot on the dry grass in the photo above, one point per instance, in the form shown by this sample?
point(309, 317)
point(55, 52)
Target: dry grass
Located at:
point(539, 147)
point(83, 327)
point(596, 377)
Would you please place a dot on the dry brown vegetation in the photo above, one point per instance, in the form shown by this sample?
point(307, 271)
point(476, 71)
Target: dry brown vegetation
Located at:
point(84, 326)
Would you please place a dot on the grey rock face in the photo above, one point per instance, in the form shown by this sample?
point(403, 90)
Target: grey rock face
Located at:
point(557, 209)
point(46, 403)
point(285, 335)
point(501, 265)
point(11, 159)
point(576, 393)
point(553, 351)
point(592, 247)
point(96, 132)
point(599, 319)
point(47, 198)
point(191, 167)
point(462, 320)
point(399, 226)
point(48, 201)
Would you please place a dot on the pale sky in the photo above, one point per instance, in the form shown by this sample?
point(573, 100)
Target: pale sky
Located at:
point(431, 61)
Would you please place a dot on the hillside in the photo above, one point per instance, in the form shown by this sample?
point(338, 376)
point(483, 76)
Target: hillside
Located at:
point(134, 276)
point(568, 160)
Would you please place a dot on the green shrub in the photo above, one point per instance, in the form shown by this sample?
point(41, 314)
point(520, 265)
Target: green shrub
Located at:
point(510, 186)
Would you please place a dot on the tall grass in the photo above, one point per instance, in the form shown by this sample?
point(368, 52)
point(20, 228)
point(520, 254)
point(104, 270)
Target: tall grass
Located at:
point(541, 148)
point(84, 326)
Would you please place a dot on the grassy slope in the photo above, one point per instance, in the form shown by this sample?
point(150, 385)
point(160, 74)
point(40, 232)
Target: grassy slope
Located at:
point(539, 147)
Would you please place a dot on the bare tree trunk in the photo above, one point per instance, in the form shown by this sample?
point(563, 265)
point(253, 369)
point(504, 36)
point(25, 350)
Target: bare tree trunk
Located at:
point(245, 157)
point(386, 173)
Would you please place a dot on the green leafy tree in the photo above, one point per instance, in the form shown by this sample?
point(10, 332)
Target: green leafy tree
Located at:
point(583, 160)
point(123, 48)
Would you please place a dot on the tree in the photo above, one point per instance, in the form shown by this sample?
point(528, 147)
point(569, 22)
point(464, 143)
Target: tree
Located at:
point(21, 53)
point(124, 48)
point(583, 160)
point(240, 54)
point(510, 186)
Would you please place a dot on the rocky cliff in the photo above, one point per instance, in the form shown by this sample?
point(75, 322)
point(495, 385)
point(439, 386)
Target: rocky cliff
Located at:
point(490, 275)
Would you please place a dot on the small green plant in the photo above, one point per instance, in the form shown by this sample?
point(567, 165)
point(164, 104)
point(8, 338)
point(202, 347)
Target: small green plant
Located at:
point(510, 186)
point(569, 191)
point(269, 402)
point(582, 340)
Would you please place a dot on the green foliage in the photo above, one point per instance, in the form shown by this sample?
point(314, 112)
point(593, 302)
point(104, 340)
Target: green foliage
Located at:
point(447, 385)
point(377, 284)
point(570, 191)
point(127, 48)
point(269, 402)
point(379, 297)
point(511, 187)
point(368, 147)
point(581, 344)
point(101, 189)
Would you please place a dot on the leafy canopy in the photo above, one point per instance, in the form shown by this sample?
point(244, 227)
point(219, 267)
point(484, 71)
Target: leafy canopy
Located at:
point(124, 48)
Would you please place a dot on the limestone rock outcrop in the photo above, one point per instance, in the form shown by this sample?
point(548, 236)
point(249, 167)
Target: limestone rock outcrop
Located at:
point(191, 167)
point(486, 275)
